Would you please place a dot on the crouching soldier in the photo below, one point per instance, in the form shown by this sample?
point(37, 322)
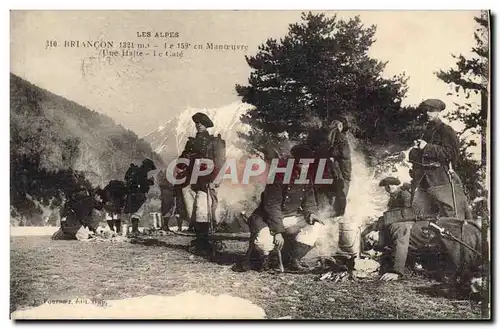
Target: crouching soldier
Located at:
point(450, 245)
point(137, 183)
point(287, 214)
point(78, 211)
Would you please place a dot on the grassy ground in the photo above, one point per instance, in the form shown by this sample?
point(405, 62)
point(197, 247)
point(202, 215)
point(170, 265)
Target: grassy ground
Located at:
point(43, 269)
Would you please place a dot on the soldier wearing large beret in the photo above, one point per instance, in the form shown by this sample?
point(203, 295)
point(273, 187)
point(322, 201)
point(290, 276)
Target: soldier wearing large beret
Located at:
point(331, 145)
point(399, 197)
point(434, 154)
point(202, 192)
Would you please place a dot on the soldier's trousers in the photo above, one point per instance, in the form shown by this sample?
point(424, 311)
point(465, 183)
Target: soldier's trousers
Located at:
point(135, 205)
point(295, 230)
point(438, 201)
point(415, 238)
point(199, 205)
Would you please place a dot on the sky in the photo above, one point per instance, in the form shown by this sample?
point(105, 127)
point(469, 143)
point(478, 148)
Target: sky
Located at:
point(143, 93)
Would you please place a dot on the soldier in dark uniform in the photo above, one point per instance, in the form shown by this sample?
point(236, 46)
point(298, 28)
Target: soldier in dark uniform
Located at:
point(434, 182)
point(137, 183)
point(286, 213)
point(341, 153)
point(398, 197)
point(114, 198)
point(331, 144)
point(170, 202)
point(413, 240)
point(200, 198)
point(78, 210)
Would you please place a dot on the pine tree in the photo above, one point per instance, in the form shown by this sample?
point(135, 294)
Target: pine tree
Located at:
point(321, 68)
point(471, 76)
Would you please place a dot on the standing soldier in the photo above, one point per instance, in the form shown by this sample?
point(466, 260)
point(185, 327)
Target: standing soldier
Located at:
point(331, 144)
point(170, 202)
point(137, 183)
point(341, 153)
point(200, 197)
point(287, 213)
point(437, 188)
point(113, 199)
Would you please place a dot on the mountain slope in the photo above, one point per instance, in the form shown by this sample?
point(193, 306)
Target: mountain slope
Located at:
point(52, 137)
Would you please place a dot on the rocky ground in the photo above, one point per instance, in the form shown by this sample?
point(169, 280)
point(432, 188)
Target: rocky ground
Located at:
point(42, 269)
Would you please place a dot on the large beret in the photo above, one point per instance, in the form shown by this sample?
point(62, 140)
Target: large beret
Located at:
point(434, 105)
point(302, 151)
point(203, 119)
point(389, 181)
point(148, 163)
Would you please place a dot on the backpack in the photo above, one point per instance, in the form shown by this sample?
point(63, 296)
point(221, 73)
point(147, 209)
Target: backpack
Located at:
point(115, 189)
point(219, 151)
point(133, 179)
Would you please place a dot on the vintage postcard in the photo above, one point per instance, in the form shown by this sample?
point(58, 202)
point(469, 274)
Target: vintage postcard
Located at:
point(169, 164)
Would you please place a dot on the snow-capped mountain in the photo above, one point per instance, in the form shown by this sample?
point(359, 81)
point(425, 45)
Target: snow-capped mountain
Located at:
point(169, 139)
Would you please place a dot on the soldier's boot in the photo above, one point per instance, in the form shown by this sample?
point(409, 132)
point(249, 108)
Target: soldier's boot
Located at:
point(350, 264)
point(265, 265)
point(110, 224)
point(298, 252)
point(201, 243)
point(245, 264)
point(118, 226)
point(164, 224)
point(179, 222)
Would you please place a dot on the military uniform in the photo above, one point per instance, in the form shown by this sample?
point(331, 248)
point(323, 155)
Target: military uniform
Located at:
point(137, 184)
point(200, 198)
point(76, 212)
point(285, 209)
point(416, 239)
point(430, 177)
point(338, 167)
point(170, 202)
point(341, 153)
point(401, 198)
point(113, 198)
